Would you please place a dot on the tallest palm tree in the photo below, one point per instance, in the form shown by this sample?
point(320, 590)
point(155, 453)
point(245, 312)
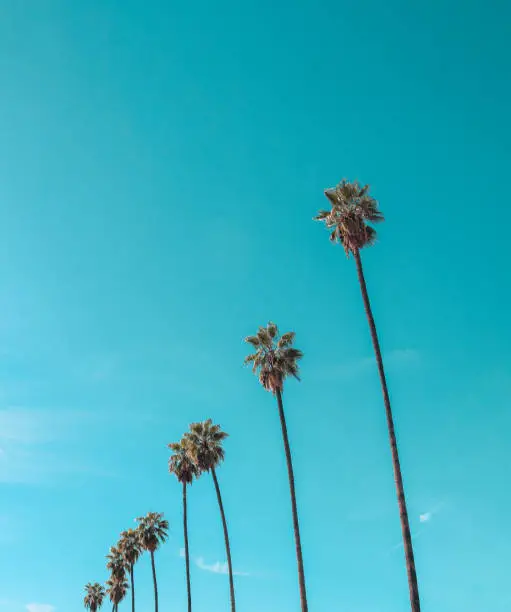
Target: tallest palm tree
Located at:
point(352, 210)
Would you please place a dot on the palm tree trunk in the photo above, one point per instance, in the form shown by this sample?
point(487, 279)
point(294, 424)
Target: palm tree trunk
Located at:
point(154, 582)
point(296, 526)
point(405, 526)
point(187, 554)
point(226, 536)
point(132, 589)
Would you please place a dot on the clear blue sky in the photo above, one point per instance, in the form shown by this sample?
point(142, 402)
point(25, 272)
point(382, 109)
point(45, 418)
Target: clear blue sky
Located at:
point(160, 164)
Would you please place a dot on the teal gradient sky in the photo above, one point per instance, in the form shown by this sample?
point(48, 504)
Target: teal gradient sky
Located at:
point(160, 164)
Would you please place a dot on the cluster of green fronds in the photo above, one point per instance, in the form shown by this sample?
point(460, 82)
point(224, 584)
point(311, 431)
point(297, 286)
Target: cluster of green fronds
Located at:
point(152, 530)
point(94, 595)
point(352, 208)
point(275, 358)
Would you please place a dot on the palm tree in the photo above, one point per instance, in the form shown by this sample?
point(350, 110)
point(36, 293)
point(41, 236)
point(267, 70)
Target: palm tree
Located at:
point(185, 470)
point(115, 562)
point(153, 531)
point(352, 210)
point(274, 360)
point(117, 587)
point(204, 444)
point(94, 595)
point(130, 548)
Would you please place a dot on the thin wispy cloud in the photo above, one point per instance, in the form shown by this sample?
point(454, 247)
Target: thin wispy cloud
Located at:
point(397, 358)
point(39, 607)
point(23, 425)
point(32, 443)
point(415, 536)
point(426, 517)
point(215, 568)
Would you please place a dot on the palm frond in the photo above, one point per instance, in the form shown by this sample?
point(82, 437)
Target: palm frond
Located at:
point(94, 595)
point(117, 587)
point(275, 359)
point(264, 337)
point(130, 546)
point(322, 214)
point(180, 462)
point(353, 209)
point(253, 340)
point(153, 530)
point(272, 330)
point(204, 444)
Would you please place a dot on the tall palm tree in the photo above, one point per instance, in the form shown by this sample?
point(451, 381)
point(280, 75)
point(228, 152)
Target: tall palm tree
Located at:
point(130, 547)
point(153, 530)
point(185, 470)
point(274, 360)
point(117, 587)
point(94, 595)
point(352, 210)
point(204, 444)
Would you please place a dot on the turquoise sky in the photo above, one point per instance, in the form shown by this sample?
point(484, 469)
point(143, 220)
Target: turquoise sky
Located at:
point(160, 164)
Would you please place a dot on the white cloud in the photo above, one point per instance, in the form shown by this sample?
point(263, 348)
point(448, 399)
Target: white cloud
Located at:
point(216, 568)
point(38, 607)
point(425, 517)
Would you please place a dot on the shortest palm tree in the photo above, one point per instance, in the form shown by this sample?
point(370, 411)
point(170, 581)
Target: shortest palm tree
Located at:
point(117, 587)
point(153, 531)
point(94, 595)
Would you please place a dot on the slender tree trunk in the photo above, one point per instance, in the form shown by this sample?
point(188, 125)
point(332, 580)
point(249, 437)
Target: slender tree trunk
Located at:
point(296, 526)
point(226, 536)
point(405, 526)
point(154, 582)
point(132, 589)
point(187, 553)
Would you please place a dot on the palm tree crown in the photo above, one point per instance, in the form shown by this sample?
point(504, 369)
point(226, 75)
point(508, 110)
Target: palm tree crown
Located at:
point(204, 444)
point(94, 595)
point(275, 357)
point(117, 587)
point(115, 562)
point(130, 546)
point(352, 209)
point(180, 462)
point(153, 530)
